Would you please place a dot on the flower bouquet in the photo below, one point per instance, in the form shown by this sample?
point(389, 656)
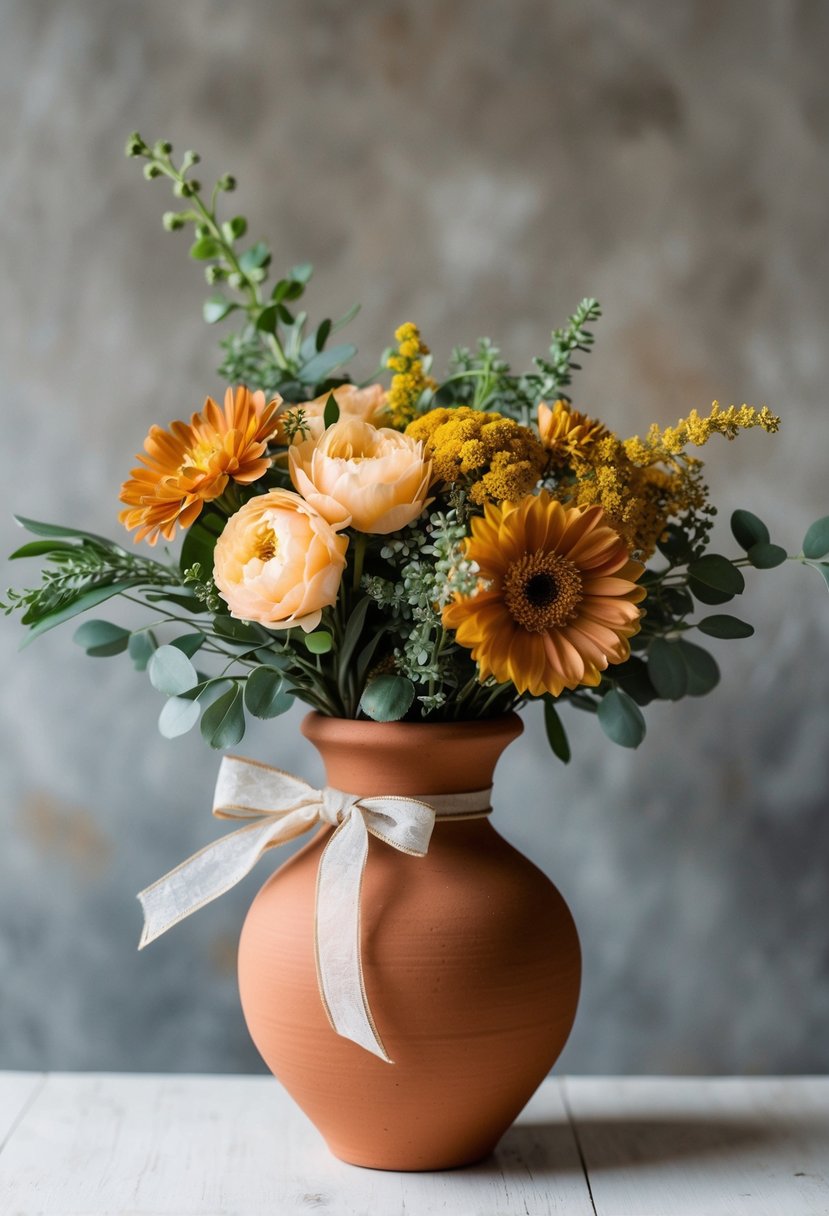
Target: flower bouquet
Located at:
point(415, 558)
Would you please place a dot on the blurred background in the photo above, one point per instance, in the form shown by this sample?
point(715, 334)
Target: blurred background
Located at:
point(476, 167)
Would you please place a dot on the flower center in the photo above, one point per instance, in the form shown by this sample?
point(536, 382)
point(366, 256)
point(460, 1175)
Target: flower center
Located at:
point(265, 543)
point(542, 591)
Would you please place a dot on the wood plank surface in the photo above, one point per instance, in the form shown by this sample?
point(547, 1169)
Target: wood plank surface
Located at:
point(237, 1146)
point(17, 1089)
point(726, 1146)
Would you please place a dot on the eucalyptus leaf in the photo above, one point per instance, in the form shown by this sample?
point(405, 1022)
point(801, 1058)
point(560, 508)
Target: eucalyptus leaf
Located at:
point(707, 595)
point(822, 569)
point(766, 556)
point(633, 678)
point(720, 625)
point(717, 572)
point(141, 646)
point(816, 540)
point(331, 412)
point(178, 715)
point(621, 718)
point(216, 308)
point(100, 639)
point(319, 642)
point(223, 722)
point(667, 669)
point(748, 530)
point(239, 631)
point(556, 734)
point(171, 672)
point(387, 698)
point(703, 671)
point(189, 643)
point(265, 695)
point(320, 367)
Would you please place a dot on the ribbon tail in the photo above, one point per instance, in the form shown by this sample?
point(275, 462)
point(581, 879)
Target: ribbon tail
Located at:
point(339, 965)
point(205, 876)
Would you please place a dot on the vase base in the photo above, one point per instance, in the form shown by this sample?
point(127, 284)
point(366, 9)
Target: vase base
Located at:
point(403, 1164)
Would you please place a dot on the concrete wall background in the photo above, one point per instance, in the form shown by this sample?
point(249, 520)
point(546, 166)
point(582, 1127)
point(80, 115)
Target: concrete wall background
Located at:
point(477, 167)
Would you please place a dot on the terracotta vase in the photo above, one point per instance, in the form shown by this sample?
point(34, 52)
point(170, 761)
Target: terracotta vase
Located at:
point(470, 956)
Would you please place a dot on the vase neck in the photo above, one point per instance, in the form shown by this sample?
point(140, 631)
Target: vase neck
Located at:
point(410, 759)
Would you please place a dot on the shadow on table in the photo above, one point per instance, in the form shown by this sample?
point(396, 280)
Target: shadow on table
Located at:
point(612, 1143)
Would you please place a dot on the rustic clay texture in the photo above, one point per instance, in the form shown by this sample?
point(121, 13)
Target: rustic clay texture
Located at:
point(470, 958)
point(476, 167)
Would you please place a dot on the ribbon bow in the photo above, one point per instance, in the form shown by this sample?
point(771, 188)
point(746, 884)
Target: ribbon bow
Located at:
point(280, 808)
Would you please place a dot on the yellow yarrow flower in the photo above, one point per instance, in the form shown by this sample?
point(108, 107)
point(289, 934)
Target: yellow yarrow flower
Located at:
point(410, 380)
point(496, 458)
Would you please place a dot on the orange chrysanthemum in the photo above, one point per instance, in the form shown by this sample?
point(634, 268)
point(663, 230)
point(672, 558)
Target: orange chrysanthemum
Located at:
point(558, 596)
point(190, 464)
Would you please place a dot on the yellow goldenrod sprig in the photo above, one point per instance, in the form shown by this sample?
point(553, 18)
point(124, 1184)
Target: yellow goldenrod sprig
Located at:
point(697, 430)
point(410, 379)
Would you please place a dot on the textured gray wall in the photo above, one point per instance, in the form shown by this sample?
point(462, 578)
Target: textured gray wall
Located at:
point(476, 166)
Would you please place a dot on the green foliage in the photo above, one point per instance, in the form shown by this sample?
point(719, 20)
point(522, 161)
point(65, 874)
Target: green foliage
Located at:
point(720, 625)
point(223, 722)
point(556, 735)
point(748, 530)
point(387, 698)
point(621, 718)
point(816, 540)
point(171, 671)
point(100, 639)
point(265, 693)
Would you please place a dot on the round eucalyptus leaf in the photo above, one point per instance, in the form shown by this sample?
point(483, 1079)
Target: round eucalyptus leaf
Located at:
point(177, 716)
point(141, 647)
point(621, 719)
point(319, 642)
point(667, 669)
point(223, 722)
point(748, 530)
point(816, 540)
point(766, 557)
point(721, 625)
point(703, 671)
point(171, 672)
point(387, 698)
point(101, 639)
point(717, 572)
point(265, 695)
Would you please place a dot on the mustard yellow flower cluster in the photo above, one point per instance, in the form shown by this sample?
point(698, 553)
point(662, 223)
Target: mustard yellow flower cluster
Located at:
point(496, 458)
point(565, 432)
point(697, 430)
point(410, 380)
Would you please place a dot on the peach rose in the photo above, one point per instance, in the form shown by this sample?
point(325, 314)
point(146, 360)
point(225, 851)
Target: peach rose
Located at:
point(279, 562)
point(367, 403)
point(373, 478)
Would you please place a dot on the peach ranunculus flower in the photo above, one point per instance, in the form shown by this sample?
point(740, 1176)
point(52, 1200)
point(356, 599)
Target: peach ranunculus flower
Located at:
point(191, 463)
point(368, 403)
point(278, 562)
point(373, 478)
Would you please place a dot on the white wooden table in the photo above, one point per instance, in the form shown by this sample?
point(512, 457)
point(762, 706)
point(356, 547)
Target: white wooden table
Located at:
point(85, 1144)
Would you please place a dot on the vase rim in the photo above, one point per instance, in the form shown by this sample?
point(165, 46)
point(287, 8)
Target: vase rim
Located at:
point(316, 726)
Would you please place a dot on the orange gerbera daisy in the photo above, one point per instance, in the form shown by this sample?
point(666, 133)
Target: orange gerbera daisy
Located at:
point(191, 463)
point(558, 596)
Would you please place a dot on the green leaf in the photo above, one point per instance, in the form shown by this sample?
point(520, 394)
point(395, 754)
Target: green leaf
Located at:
point(141, 647)
point(265, 695)
point(41, 529)
point(37, 548)
point(816, 540)
point(189, 643)
point(621, 719)
point(256, 257)
point(239, 631)
point(748, 530)
point(707, 595)
point(667, 669)
point(323, 330)
point(200, 541)
point(387, 698)
point(319, 368)
point(302, 273)
point(267, 320)
point(766, 557)
point(633, 678)
point(171, 672)
point(85, 601)
point(100, 639)
point(181, 599)
point(177, 716)
point(718, 573)
point(223, 722)
point(331, 413)
point(674, 544)
point(287, 289)
point(703, 672)
point(216, 308)
point(823, 569)
point(556, 735)
point(353, 631)
point(319, 642)
point(204, 248)
point(235, 228)
point(720, 625)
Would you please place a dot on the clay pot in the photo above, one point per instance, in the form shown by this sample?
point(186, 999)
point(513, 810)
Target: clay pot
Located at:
point(470, 956)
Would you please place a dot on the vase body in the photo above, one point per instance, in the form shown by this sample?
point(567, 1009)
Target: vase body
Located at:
point(470, 957)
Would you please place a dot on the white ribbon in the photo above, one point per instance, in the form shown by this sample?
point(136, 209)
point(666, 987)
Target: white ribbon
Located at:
point(280, 808)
